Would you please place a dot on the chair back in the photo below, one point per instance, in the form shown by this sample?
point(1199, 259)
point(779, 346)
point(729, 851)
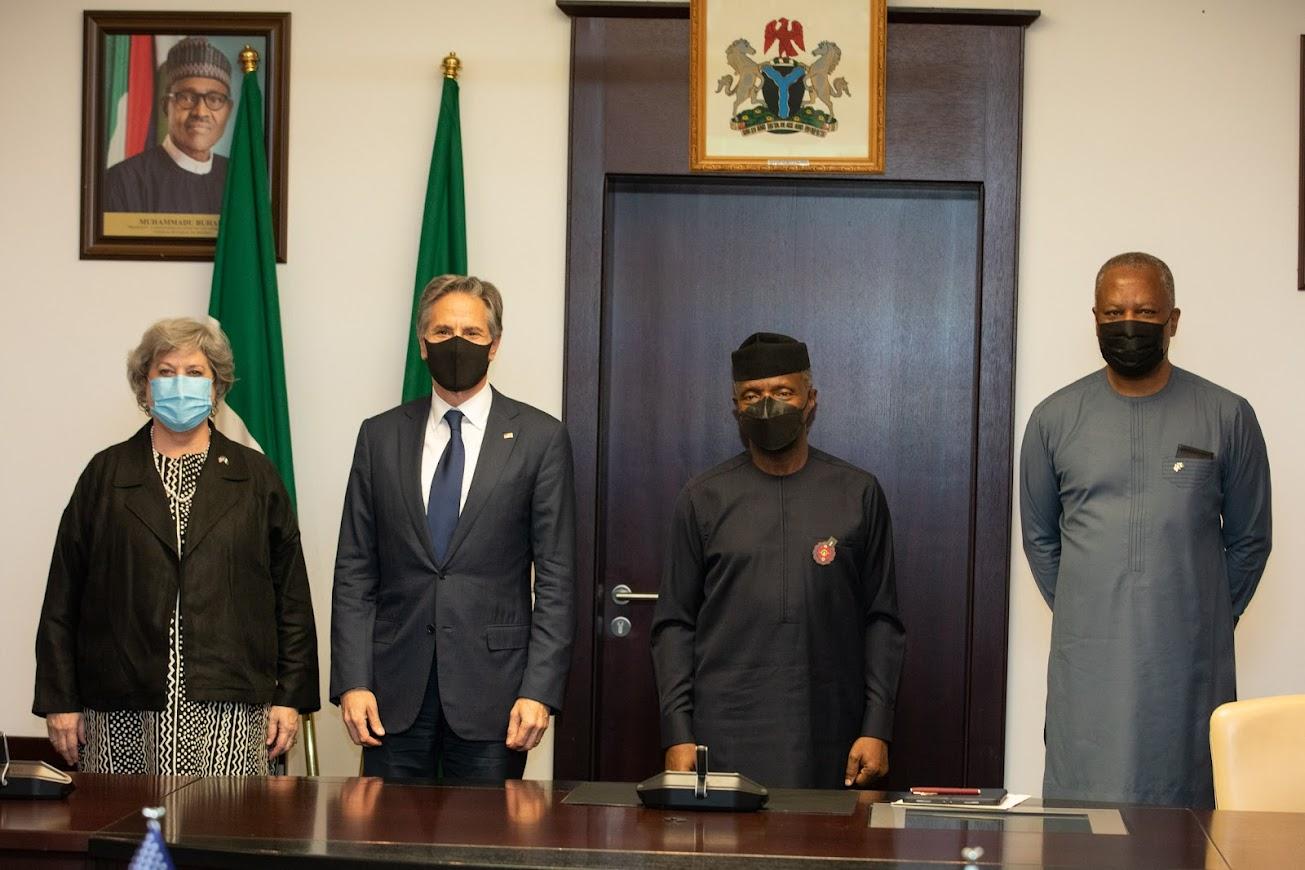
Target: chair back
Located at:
point(1258, 750)
point(309, 731)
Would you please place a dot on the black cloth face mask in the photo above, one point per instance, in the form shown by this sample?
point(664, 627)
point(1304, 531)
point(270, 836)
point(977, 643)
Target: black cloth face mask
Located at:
point(1133, 348)
point(457, 364)
point(771, 424)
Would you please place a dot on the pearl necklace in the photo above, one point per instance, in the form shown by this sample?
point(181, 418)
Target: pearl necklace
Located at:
point(172, 488)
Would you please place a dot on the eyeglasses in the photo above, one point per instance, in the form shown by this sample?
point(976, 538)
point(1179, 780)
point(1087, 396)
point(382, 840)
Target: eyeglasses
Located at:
point(215, 100)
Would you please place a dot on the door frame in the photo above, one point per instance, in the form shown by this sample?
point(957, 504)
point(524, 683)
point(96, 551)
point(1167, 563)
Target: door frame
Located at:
point(954, 122)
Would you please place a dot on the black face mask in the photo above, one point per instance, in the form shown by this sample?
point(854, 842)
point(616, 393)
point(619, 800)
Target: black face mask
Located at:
point(771, 424)
point(457, 364)
point(1133, 348)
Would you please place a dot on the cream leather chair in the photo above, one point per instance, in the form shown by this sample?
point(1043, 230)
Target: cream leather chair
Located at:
point(1258, 750)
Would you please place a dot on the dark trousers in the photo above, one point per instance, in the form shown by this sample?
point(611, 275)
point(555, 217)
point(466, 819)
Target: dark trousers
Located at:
point(430, 750)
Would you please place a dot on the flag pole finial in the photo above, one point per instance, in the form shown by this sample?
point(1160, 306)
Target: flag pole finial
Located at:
point(248, 59)
point(452, 66)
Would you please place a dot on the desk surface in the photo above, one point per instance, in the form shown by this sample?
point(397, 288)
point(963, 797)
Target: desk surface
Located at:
point(294, 822)
point(1256, 839)
point(526, 823)
point(67, 825)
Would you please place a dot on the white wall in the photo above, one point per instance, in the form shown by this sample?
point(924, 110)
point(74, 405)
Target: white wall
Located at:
point(1169, 126)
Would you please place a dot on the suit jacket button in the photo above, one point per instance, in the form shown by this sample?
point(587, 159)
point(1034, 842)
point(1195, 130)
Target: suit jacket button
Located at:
point(430, 629)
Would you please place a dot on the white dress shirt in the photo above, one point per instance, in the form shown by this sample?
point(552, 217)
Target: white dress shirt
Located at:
point(184, 160)
point(475, 416)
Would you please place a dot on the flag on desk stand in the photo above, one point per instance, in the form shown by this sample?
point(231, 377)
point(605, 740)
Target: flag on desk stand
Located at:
point(442, 249)
point(152, 854)
point(244, 300)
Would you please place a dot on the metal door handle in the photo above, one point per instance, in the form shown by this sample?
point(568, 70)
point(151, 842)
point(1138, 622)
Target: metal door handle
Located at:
point(622, 594)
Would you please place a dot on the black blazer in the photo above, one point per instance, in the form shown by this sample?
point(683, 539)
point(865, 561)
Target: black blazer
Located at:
point(395, 611)
point(246, 611)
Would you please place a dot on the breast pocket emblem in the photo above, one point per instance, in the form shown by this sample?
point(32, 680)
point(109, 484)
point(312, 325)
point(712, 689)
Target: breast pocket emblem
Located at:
point(824, 552)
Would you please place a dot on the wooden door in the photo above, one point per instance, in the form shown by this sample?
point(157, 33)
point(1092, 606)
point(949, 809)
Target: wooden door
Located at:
point(880, 281)
point(903, 286)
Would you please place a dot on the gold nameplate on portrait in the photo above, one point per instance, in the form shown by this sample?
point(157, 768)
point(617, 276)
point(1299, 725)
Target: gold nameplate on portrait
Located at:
point(156, 225)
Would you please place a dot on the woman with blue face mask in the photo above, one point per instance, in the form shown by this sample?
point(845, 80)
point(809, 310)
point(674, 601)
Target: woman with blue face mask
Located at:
point(177, 634)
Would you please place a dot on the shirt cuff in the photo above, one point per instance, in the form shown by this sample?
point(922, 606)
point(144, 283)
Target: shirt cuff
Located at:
point(877, 722)
point(677, 728)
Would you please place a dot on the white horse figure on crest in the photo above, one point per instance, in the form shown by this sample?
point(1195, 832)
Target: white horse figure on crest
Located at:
point(746, 88)
point(827, 57)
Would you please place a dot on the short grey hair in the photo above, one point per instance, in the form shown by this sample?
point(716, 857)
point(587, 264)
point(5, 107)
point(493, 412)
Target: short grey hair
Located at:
point(443, 285)
point(181, 333)
point(1140, 260)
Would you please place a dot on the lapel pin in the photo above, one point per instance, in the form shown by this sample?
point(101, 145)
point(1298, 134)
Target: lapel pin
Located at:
point(824, 552)
point(507, 435)
point(223, 460)
point(1178, 466)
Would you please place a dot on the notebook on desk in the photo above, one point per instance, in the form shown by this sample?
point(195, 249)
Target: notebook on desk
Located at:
point(951, 796)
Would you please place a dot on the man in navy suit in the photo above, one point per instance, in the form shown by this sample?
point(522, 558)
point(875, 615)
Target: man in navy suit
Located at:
point(440, 663)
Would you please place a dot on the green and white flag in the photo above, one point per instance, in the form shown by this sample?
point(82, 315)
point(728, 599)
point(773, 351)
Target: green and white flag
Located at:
point(442, 249)
point(244, 300)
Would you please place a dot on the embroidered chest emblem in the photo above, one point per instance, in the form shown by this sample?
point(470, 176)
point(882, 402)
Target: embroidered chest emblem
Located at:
point(824, 552)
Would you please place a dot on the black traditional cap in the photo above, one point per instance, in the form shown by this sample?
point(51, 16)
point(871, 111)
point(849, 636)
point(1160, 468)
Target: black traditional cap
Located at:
point(196, 57)
point(767, 354)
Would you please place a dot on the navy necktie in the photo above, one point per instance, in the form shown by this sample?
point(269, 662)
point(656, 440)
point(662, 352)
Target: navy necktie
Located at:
point(446, 488)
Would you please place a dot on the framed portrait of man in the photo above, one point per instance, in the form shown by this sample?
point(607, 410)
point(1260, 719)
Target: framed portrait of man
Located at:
point(160, 95)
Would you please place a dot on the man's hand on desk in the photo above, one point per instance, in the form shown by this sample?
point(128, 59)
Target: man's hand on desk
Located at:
point(682, 756)
point(866, 762)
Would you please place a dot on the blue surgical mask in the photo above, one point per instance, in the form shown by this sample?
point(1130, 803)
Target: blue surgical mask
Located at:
point(181, 403)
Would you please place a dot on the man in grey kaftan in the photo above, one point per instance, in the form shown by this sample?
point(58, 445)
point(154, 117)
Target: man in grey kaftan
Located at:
point(1144, 494)
point(776, 638)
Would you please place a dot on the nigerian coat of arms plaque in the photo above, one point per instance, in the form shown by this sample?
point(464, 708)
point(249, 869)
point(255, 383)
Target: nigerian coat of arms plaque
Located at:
point(783, 85)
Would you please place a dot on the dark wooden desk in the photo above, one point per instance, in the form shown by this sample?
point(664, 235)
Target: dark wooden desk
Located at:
point(290, 822)
point(1256, 839)
point(55, 833)
point(297, 822)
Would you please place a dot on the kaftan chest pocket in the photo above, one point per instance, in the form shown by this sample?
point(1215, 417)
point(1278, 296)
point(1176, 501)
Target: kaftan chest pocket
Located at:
point(832, 551)
point(1188, 472)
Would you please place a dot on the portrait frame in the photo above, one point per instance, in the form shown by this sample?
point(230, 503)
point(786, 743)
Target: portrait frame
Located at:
point(180, 238)
point(739, 122)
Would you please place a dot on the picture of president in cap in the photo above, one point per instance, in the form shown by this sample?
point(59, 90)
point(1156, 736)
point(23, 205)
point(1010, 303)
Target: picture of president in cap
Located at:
point(181, 174)
point(776, 640)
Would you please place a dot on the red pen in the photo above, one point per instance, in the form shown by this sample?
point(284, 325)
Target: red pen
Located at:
point(932, 790)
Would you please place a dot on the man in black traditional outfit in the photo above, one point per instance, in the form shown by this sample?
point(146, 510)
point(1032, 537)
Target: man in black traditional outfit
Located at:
point(181, 175)
point(776, 639)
